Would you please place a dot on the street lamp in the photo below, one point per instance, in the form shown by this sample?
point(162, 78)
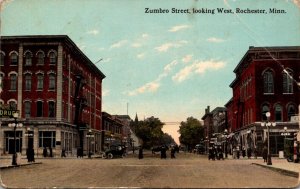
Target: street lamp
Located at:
point(15, 124)
point(268, 124)
point(285, 133)
point(88, 136)
point(225, 135)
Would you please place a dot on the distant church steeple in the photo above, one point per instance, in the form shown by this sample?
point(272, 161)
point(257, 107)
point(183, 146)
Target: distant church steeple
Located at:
point(136, 119)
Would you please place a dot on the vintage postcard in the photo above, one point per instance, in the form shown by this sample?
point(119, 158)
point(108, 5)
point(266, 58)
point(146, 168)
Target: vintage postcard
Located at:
point(149, 94)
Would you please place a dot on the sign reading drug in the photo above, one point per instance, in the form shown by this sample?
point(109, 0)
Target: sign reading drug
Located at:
point(7, 113)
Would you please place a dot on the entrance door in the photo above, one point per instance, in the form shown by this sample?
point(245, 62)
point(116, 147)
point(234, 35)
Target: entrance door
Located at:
point(11, 145)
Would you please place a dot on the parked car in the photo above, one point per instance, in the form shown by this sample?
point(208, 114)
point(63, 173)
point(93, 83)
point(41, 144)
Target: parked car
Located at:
point(114, 151)
point(199, 149)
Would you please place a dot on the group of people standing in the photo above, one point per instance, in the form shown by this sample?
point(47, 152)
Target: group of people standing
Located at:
point(163, 152)
point(215, 153)
point(45, 152)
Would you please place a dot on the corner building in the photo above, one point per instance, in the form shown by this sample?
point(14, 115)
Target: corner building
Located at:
point(266, 80)
point(57, 91)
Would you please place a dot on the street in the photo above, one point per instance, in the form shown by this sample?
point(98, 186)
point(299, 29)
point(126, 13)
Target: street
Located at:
point(186, 171)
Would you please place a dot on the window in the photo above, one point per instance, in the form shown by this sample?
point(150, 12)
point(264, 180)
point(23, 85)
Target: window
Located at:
point(287, 82)
point(13, 82)
point(2, 59)
point(1, 81)
point(47, 139)
point(28, 82)
point(40, 82)
point(51, 82)
point(278, 113)
point(265, 109)
point(40, 58)
point(51, 110)
point(291, 111)
point(13, 105)
point(268, 82)
point(28, 59)
point(52, 57)
point(14, 59)
point(39, 109)
point(27, 109)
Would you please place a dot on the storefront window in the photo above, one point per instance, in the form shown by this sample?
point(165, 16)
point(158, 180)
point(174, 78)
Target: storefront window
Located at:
point(46, 138)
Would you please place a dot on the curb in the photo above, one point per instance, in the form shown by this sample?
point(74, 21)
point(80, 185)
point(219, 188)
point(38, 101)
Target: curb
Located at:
point(282, 171)
point(21, 165)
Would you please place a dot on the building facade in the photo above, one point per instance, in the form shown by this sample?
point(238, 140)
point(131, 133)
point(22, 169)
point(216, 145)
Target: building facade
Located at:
point(266, 81)
point(57, 91)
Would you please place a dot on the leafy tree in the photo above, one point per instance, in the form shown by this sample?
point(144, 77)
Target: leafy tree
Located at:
point(191, 132)
point(149, 131)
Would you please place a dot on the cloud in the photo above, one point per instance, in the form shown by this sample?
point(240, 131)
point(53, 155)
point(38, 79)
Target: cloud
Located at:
point(140, 41)
point(153, 85)
point(169, 66)
point(145, 35)
point(187, 58)
point(198, 67)
point(215, 40)
point(297, 3)
point(93, 32)
point(166, 46)
point(106, 60)
point(118, 44)
point(148, 87)
point(178, 28)
point(140, 56)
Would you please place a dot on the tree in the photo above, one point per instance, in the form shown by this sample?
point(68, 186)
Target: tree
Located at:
point(149, 131)
point(191, 132)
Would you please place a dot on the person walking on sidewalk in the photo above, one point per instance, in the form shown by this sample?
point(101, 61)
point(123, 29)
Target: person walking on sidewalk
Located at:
point(265, 153)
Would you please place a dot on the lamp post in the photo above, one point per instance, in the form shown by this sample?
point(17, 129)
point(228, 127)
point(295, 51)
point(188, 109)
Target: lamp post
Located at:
point(15, 124)
point(225, 135)
point(285, 133)
point(268, 124)
point(88, 136)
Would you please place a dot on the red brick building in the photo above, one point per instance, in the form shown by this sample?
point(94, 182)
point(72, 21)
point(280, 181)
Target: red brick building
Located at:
point(57, 91)
point(266, 81)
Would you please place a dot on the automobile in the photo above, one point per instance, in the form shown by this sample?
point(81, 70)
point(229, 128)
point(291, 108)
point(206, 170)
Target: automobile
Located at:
point(199, 149)
point(114, 151)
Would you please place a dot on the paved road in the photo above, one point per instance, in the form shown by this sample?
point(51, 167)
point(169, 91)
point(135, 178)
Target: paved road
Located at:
point(186, 171)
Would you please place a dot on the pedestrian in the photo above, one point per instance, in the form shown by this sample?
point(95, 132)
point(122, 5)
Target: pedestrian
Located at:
point(28, 155)
point(234, 153)
point(141, 155)
point(45, 153)
point(172, 152)
point(255, 153)
point(50, 150)
point(32, 154)
point(238, 152)
point(265, 153)
point(243, 151)
point(249, 153)
point(163, 152)
point(79, 153)
point(63, 153)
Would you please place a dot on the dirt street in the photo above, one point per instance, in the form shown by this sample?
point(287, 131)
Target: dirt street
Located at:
point(186, 171)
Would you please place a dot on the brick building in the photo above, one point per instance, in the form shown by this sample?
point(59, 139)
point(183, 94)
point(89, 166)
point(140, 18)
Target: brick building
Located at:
point(57, 91)
point(266, 81)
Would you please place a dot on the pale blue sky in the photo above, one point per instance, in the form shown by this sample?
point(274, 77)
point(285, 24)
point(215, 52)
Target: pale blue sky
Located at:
point(170, 66)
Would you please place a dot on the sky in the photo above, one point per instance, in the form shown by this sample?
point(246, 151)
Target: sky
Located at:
point(167, 65)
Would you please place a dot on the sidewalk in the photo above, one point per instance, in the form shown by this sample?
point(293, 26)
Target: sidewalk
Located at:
point(278, 164)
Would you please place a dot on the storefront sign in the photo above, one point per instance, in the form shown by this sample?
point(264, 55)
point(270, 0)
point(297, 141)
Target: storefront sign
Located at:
point(7, 112)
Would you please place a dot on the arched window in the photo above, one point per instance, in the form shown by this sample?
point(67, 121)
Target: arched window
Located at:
point(265, 109)
point(51, 109)
point(291, 111)
point(27, 109)
point(28, 82)
point(40, 57)
point(287, 81)
point(39, 109)
point(268, 82)
point(51, 81)
point(2, 55)
point(52, 57)
point(28, 58)
point(14, 59)
point(278, 113)
point(12, 105)
point(40, 81)
point(13, 82)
